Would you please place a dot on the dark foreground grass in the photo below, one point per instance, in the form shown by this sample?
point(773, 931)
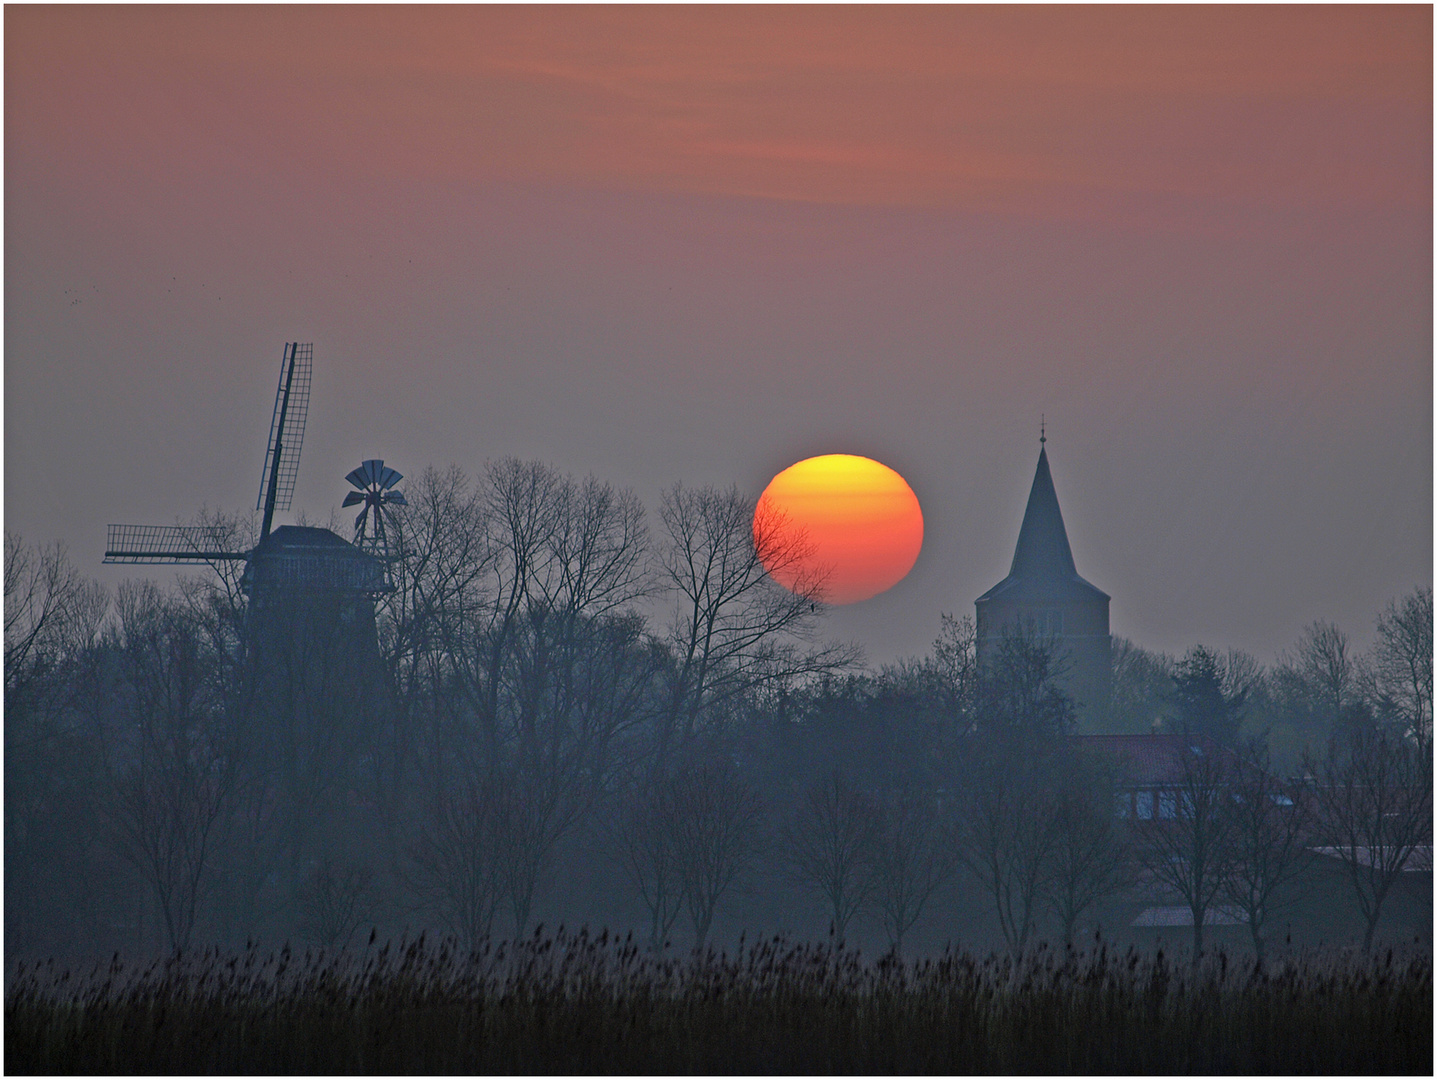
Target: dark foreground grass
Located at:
point(584, 1004)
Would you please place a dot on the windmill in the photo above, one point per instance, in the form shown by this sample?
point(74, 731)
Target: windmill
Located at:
point(314, 683)
point(374, 482)
point(286, 558)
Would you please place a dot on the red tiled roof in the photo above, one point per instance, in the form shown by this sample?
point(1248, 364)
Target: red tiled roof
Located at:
point(1150, 759)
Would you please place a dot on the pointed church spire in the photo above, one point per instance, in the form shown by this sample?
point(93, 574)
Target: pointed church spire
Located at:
point(1043, 550)
point(1043, 594)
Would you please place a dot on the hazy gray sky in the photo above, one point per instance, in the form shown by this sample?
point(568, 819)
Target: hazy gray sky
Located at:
point(699, 245)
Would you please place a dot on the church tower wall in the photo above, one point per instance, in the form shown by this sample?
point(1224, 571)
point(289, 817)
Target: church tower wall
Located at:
point(1079, 629)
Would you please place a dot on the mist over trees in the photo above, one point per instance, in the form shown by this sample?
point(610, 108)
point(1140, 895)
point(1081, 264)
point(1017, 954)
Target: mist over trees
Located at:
point(567, 708)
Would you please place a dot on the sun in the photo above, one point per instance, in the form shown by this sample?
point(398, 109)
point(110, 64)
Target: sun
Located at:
point(848, 524)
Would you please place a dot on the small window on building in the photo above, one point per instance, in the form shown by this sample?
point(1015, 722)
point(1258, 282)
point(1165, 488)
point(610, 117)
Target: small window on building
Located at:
point(1122, 804)
point(1167, 805)
point(1145, 805)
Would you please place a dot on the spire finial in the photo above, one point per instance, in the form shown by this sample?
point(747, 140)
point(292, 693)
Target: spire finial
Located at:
point(1042, 429)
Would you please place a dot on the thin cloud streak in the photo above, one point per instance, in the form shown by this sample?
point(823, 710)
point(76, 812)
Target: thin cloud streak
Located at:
point(1028, 111)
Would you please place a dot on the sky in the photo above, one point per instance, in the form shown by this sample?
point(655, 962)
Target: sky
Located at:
point(699, 244)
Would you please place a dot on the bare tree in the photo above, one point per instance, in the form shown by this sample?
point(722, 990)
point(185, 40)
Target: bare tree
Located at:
point(715, 821)
point(49, 609)
point(1021, 700)
point(441, 554)
point(1243, 676)
point(223, 585)
point(1140, 684)
point(519, 507)
point(539, 807)
point(1003, 833)
point(954, 669)
point(169, 776)
point(1269, 825)
point(1090, 858)
point(642, 842)
point(1323, 662)
point(1373, 793)
point(336, 900)
point(1187, 844)
point(58, 679)
point(830, 842)
point(1003, 830)
point(909, 863)
point(246, 863)
point(944, 683)
point(734, 626)
point(457, 859)
point(530, 652)
point(595, 689)
point(1403, 661)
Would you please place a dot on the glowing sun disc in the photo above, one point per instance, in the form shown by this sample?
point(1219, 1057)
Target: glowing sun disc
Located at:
point(857, 523)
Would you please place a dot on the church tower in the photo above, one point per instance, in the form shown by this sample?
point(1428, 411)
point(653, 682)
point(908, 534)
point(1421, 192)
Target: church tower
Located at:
point(1044, 593)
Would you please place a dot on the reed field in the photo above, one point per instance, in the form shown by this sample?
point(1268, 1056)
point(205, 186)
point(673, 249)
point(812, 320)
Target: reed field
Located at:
point(582, 1003)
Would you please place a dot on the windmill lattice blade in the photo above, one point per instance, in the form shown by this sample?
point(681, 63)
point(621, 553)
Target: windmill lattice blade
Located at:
point(396, 498)
point(389, 477)
point(356, 477)
point(301, 357)
point(354, 498)
point(372, 468)
point(169, 544)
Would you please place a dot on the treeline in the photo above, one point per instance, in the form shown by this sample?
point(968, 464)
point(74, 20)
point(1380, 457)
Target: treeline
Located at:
point(516, 714)
point(1322, 683)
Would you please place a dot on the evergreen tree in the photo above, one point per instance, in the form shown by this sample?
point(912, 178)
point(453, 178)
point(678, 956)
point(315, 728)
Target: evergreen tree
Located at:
point(1200, 701)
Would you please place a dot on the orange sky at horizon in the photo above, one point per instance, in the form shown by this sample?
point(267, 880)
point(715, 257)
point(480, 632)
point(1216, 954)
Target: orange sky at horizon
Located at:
point(1032, 110)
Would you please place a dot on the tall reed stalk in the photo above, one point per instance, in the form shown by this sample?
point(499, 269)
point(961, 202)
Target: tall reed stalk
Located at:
point(576, 1002)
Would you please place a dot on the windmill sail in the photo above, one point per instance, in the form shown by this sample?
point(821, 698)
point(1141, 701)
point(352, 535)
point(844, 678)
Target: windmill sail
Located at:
point(169, 544)
point(205, 543)
point(286, 433)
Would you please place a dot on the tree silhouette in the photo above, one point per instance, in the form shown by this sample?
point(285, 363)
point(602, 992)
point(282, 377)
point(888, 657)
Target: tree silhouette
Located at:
point(1373, 793)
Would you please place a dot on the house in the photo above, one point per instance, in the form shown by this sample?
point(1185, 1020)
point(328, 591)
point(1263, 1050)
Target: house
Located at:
point(1153, 769)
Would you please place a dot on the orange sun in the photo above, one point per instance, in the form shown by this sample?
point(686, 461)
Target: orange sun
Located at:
point(847, 522)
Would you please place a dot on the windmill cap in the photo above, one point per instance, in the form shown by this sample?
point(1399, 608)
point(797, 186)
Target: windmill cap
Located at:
point(306, 557)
